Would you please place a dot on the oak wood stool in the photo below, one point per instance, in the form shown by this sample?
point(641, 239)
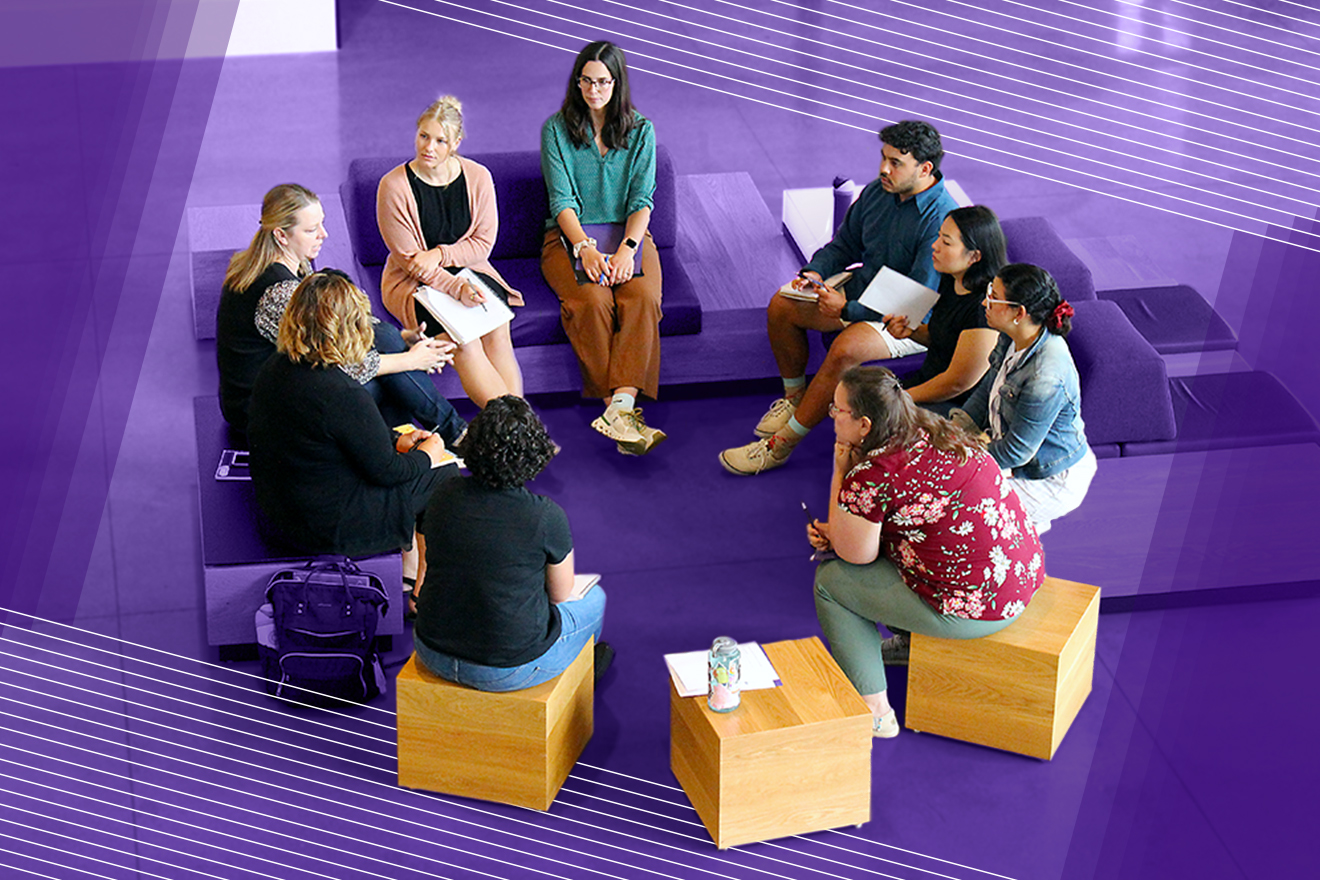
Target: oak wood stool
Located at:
point(789, 760)
point(1017, 690)
point(513, 748)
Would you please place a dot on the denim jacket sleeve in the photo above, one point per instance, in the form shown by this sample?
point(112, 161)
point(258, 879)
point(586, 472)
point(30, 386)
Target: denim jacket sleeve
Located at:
point(1039, 401)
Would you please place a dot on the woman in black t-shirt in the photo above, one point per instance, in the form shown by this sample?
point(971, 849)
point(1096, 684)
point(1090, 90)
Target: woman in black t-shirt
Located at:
point(506, 611)
point(968, 253)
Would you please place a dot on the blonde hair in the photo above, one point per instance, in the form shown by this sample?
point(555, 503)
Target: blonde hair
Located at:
point(448, 112)
point(279, 210)
point(328, 321)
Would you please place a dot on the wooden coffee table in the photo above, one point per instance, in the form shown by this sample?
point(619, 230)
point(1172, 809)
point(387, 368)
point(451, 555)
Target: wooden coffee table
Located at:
point(789, 760)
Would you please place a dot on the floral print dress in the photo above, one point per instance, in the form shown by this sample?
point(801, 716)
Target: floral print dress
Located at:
point(955, 530)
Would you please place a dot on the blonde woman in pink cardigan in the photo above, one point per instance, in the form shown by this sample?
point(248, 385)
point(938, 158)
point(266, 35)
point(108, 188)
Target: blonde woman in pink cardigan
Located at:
point(437, 215)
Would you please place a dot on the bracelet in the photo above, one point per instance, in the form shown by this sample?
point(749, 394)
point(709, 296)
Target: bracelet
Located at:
point(584, 243)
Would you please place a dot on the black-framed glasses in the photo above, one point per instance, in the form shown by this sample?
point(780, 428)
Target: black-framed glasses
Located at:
point(588, 83)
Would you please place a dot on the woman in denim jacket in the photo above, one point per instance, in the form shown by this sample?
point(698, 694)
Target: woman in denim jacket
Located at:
point(1029, 401)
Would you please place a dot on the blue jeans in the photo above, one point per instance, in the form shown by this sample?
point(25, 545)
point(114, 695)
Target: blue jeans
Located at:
point(581, 619)
point(411, 396)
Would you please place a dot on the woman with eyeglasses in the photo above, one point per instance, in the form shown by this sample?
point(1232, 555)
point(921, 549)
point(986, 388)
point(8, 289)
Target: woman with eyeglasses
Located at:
point(598, 159)
point(1029, 402)
point(928, 538)
point(437, 215)
point(327, 469)
point(258, 285)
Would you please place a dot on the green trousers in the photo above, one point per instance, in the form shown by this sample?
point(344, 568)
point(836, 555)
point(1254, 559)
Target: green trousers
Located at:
point(852, 599)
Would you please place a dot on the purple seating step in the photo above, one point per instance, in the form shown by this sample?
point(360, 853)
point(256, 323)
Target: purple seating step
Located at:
point(1230, 411)
point(238, 554)
point(1175, 319)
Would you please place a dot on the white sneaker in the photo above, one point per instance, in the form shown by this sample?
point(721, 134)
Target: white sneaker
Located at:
point(620, 425)
point(885, 726)
point(757, 456)
point(776, 416)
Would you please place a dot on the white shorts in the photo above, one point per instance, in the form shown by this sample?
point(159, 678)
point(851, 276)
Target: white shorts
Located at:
point(1046, 500)
point(897, 347)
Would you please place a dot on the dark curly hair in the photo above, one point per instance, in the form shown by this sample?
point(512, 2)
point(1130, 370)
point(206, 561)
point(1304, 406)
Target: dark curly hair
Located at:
point(918, 138)
point(1036, 291)
point(506, 444)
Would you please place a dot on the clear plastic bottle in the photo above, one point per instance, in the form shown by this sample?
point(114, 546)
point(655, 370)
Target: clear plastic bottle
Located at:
point(725, 666)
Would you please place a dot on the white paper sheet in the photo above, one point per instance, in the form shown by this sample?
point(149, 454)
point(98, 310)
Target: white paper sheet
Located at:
point(893, 293)
point(691, 677)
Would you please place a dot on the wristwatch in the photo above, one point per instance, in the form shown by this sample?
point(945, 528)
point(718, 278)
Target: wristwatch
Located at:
point(630, 243)
point(584, 243)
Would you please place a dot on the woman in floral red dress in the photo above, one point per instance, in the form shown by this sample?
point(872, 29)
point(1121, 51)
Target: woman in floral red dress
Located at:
point(929, 537)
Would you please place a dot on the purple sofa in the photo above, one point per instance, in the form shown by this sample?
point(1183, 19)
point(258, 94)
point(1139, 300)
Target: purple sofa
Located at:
point(523, 207)
point(1033, 240)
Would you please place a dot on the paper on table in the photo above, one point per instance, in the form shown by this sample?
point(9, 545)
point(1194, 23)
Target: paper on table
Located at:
point(893, 293)
point(691, 678)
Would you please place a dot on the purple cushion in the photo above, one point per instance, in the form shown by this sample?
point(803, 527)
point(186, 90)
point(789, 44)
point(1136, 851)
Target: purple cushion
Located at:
point(523, 208)
point(538, 323)
point(1232, 410)
point(1033, 240)
point(519, 195)
point(1174, 319)
point(1124, 386)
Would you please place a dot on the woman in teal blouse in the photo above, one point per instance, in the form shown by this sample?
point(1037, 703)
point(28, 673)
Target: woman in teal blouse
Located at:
point(598, 158)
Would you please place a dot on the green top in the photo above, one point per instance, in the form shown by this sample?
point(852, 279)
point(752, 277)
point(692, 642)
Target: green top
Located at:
point(601, 189)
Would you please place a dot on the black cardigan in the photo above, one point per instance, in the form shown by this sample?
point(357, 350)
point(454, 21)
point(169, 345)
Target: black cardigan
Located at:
point(324, 465)
point(240, 349)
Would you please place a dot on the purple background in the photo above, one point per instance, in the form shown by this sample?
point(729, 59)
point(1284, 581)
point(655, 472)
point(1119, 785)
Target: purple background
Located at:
point(99, 162)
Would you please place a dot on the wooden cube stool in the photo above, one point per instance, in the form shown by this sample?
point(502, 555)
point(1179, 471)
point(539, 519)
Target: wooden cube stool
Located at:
point(1017, 690)
point(789, 760)
point(513, 748)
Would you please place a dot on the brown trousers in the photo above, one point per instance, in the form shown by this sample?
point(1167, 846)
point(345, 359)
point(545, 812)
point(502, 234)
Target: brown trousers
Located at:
point(615, 332)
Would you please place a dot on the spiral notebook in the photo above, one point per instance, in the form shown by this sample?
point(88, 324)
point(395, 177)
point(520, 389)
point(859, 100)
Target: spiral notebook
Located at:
point(466, 323)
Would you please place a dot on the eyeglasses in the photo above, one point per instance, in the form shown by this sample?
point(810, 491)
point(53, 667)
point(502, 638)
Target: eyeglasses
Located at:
point(990, 288)
point(835, 409)
point(588, 83)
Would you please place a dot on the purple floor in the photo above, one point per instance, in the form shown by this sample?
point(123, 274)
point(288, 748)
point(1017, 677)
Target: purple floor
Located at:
point(1177, 138)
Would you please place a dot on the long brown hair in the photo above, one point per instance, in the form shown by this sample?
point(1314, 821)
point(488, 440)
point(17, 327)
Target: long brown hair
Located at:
point(327, 321)
point(620, 117)
point(279, 210)
point(896, 421)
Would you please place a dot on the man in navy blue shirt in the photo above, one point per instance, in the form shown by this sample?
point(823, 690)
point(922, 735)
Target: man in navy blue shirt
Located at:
point(893, 223)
